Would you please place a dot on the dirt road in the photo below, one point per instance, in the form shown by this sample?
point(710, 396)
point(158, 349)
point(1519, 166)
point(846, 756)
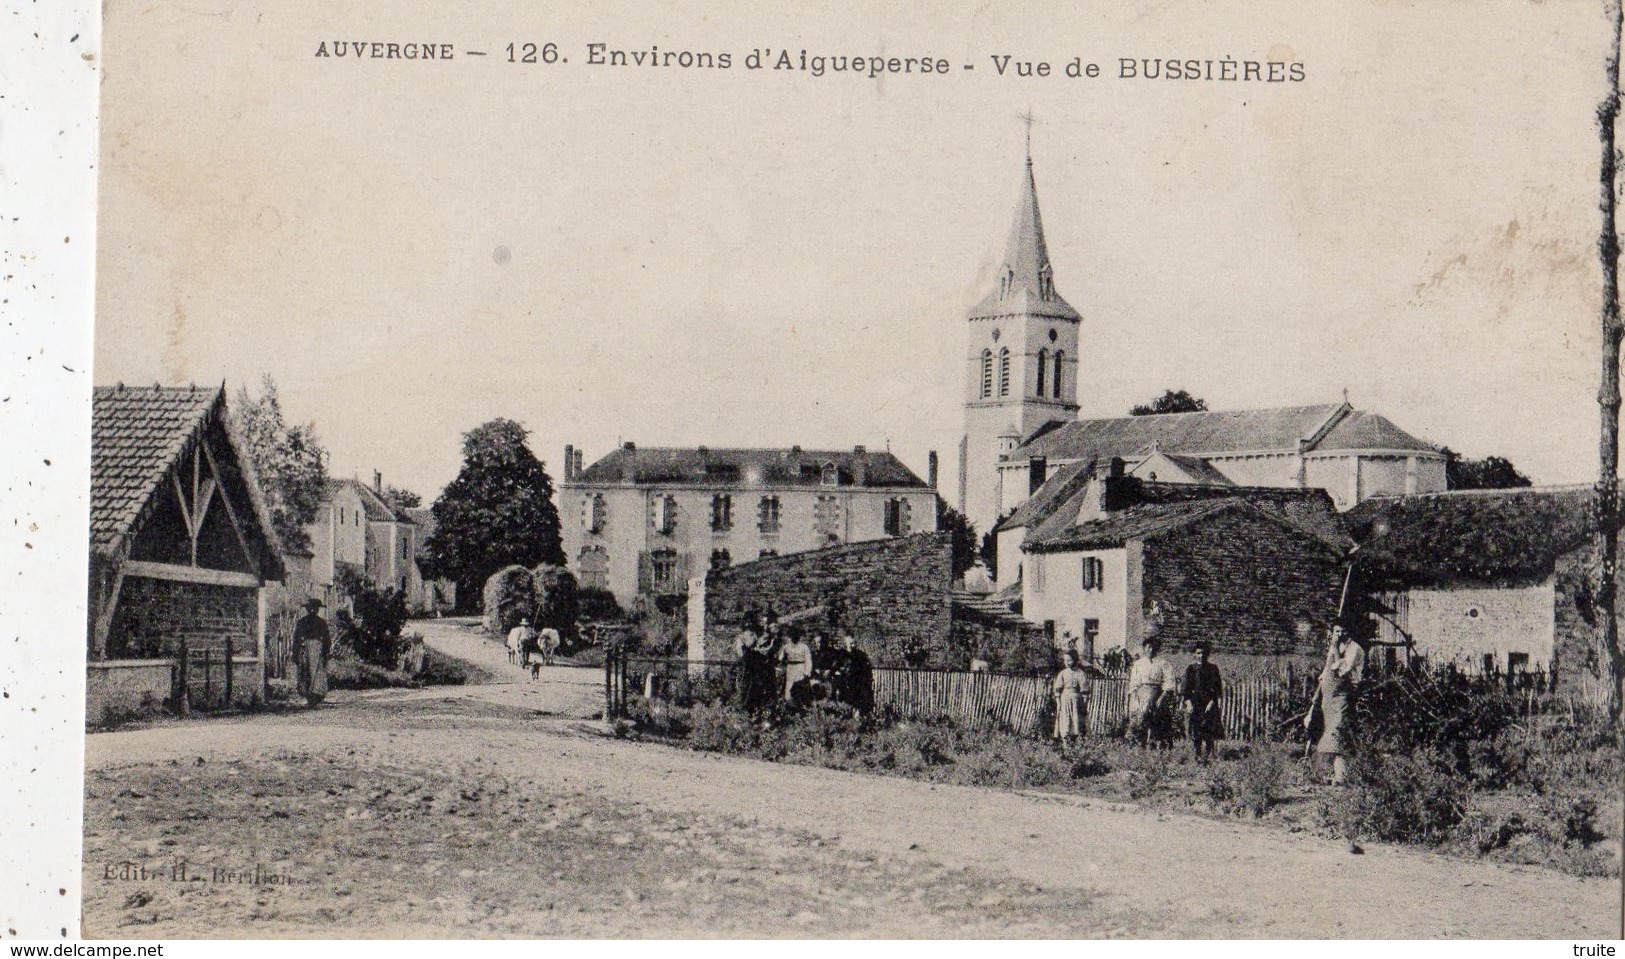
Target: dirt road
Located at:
point(335, 799)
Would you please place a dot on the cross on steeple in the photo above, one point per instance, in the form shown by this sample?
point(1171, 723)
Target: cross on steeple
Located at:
point(1028, 119)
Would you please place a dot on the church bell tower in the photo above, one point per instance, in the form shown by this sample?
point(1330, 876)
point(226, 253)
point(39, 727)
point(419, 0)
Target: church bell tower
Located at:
point(1021, 363)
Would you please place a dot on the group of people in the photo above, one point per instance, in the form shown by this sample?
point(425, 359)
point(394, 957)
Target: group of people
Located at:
point(1156, 694)
point(783, 663)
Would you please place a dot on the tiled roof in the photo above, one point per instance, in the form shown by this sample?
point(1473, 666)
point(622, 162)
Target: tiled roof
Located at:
point(703, 466)
point(1067, 482)
point(136, 433)
point(1141, 510)
point(1221, 431)
point(1479, 536)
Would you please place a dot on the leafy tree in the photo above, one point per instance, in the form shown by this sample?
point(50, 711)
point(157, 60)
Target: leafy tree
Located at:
point(288, 460)
point(1171, 401)
point(498, 512)
point(400, 498)
point(961, 536)
point(1491, 472)
point(372, 626)
point(558, 601)
point(988, 552)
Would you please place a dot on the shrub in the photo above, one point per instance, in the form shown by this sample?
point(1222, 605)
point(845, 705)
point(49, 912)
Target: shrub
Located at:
point(510, 595)
point(720, 729)
point(1414, 798)
point(557, 599)
point(1147, 770)
point(373, 624)
point(596, 604)
point(1250, 786)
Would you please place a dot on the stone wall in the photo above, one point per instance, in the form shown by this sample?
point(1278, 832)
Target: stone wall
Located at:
point(1246, 584)
point(1578, 654)
point(894, 595)
point(126, 689)
point(154, 615)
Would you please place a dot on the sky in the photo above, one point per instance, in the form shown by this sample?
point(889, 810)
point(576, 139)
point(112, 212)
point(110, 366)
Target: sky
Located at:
point(738, 257)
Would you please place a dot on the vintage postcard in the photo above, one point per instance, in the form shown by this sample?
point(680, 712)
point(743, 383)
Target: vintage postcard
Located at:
point(703, 469)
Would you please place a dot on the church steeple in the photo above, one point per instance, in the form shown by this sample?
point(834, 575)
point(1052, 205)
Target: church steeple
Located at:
point(1025, 281)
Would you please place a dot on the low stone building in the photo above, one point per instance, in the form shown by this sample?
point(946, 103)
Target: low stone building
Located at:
point(1492, 580)
point(1257, 572)
point(181, 548)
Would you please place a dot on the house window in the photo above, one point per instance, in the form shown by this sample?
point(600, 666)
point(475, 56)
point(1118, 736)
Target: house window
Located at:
point(1004, 371)
point(1043, 363)
point(1036, 570)
point(720, 559)
point(1086, 642)
point(1094, 573)
point(666, 514)
point(1055, 381)
point(1516, 662)
point(722, 512)
point(827, 519)
point(663, 570)
point(594, 566)
point(767, 514)
point(830, 476)
point(897, 516)
point(597, 513)
point(987, 373)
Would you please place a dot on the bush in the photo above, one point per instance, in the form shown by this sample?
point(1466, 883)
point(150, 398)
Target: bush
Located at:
point(510, 595)
point(1414, 798)
point(557, 599)
point(373, 624)
point(596, 604)
point(1250, 786)
point(720, 729)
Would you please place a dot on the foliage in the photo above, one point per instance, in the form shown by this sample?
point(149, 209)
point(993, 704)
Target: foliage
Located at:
point(596, 604)
point(658, 628)
point(962, 538)
point(988, 551)
point(1441, 712)
point(1407, 797)
point(288, 461)
point(558, 601)
point(498, 512)
point(400, 498)
point(1171, 401)
point(1491, 472)
point(1253, 785)
point(372, 625)
point(509, 596)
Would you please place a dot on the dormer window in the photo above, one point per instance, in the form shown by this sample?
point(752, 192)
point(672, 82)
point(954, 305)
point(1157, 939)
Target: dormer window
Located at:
point(830, 476)
point(1046, 283)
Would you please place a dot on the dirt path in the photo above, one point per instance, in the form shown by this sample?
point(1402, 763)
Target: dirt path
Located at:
point(1123, 869)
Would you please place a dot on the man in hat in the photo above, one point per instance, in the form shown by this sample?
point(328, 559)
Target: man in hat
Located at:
point(312, 642)
point(1203, 688)
point(1150, 682)
point(522, 641)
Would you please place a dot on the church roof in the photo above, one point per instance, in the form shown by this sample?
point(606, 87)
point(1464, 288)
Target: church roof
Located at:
point(1024, 282)
point(704, 466)
point(1067, 483)
point(1326, 427)
point(1141, 510)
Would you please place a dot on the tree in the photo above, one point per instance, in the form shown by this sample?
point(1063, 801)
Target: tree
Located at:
point(1171, 401)
point(288, 460)
point(558, 600)
point(1608, 399)
point(400, 498)
point(1491, 472)
point(498, 512)
point(961, 536)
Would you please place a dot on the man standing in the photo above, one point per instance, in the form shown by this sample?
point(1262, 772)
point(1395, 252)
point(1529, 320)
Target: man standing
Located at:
point(855, 679)
point(312, 643)
point(1150, 681)
point(523, 639)
point(1203, 689)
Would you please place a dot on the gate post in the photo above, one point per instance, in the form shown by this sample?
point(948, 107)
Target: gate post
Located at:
point(182, 699)
point(228, 670)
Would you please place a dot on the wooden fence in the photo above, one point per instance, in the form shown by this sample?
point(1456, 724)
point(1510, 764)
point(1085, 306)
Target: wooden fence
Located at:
point(1016, 703)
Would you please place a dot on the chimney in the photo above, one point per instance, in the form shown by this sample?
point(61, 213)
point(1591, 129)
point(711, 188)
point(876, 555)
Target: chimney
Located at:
point(377, 481)
point(1037, 472)
point(575, 467)
point(931, 469)
point(629, 446)
point(569, 462)
point(859, 449)
point(1116, 467)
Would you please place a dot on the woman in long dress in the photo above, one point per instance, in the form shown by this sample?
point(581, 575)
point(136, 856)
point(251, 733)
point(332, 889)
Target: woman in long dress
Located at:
point(1071, 699)
point(1345, 664)
point(312, 642)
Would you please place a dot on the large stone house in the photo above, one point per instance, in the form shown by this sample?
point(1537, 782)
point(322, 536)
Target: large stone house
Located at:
point(1023, 381)
point(181, 549)
point(1493, 580)
point(1255, 571)
point(647, 521)
point(356, 529)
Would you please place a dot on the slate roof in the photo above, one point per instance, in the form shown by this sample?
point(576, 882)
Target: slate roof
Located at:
point(1067, 482)
point(1213, 432)
point(986, 608)
point(703, 466)
point(373, 505)
point(1477, 536)
point(1026, 259)
point(1199, 470)
point(136, 435)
